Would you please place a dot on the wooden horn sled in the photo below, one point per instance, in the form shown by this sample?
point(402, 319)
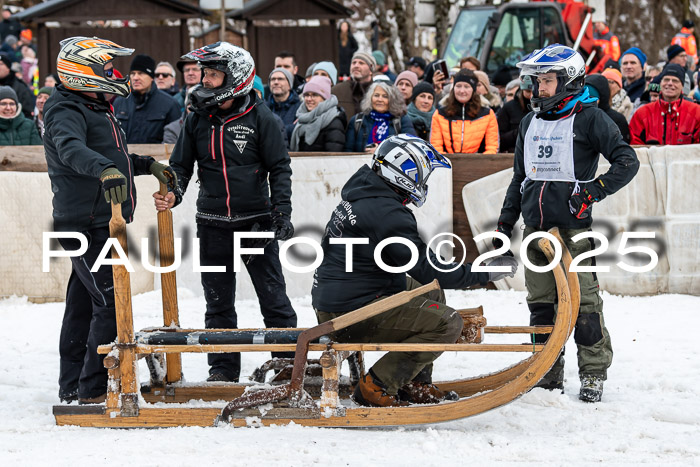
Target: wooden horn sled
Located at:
point(306, 392)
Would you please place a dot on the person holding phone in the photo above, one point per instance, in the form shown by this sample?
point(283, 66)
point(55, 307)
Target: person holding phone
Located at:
point(463, 125)
point(383, 114)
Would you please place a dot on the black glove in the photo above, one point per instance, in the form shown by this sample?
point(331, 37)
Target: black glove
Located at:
point(580, 203)
point(164, 174)
point(114, 185)
point(503, 260)
point(282, 223)
point(504, 228)
point(255, 242)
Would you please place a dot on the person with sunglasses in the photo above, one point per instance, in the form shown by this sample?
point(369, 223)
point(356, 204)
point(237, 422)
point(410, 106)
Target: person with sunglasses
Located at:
point(165, 78)
point(144, 114)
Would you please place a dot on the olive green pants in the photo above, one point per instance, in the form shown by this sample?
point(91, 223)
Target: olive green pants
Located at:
point(591, 336)
point(424, 319)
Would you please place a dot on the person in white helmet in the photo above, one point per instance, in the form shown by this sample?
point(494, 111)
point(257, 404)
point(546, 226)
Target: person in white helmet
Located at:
point(88, 159)
point(374, 208)
point(244, 185)
point(554, 185)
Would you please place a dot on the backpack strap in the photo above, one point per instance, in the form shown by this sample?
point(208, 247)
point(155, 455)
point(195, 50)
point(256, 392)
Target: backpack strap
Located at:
point(396, 122)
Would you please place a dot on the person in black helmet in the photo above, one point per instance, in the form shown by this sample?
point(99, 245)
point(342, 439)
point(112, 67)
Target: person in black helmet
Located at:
point(88, 161)
point(554, 185)
point(245, 185)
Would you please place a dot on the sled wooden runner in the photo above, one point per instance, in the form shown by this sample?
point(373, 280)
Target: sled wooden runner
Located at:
point(496, 389)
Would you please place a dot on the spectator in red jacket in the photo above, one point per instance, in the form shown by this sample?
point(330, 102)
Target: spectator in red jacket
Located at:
point(671, 119)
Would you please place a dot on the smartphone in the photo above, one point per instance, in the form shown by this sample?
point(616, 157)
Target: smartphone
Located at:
point(441, 65)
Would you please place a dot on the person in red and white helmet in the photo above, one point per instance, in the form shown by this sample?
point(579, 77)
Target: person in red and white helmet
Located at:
point(244, 185)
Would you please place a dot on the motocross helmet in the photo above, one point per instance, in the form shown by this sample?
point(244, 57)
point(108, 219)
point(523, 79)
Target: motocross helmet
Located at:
point(405, 162)
point(236, 63)
point(80, 65)
point(569, 67)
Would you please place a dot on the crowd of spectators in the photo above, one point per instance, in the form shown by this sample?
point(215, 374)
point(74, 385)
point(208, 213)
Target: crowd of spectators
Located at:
point(356, 102)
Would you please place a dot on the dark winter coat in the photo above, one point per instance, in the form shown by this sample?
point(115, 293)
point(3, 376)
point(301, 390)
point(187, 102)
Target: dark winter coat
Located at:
point(286, 110)
point(235, 153)
point(545, 204)
point(9, 27)
point(18, 131)
point(356, 141)
point(24, 95)
point(635, 89)
point(330, 139)
point(600, 83)
point(345, 54)
point(82, 139)
point(509, 118)
point(350, 94)
point(371, 209)
point(143, 118)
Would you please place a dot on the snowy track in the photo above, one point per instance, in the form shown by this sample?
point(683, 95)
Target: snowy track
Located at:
point(650, 411)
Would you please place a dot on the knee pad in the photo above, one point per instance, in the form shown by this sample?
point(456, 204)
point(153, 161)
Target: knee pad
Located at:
point(588, 329)
point(541, 314)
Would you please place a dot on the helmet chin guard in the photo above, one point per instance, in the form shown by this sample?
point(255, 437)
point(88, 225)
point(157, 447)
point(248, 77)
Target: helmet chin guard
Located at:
point(565, 62)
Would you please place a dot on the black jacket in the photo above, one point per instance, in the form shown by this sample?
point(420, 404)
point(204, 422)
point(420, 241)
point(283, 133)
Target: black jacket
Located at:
point(24, 95)
point(82, 139)
point(545, 204)
point(330, 139)
point(144, 118)
point(601, 84)
point(635, 89)
point(508, 119)
point(372, 209)
point(234, 153)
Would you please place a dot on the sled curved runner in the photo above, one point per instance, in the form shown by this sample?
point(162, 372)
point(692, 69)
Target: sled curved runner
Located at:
point(122, 410)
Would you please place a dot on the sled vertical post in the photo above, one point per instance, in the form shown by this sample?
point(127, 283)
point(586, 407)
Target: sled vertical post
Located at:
point(111, 362)
point(125, 320)
point(330, 362)
point(168, 282)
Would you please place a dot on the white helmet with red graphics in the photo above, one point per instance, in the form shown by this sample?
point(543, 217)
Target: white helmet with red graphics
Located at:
point(236, 63)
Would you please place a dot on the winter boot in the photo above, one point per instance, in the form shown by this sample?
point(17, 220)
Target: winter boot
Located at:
point(371, 392)
point(591, 388)
point(554, 379)
point(416, 392)
point(93, 400)
point(68, 396)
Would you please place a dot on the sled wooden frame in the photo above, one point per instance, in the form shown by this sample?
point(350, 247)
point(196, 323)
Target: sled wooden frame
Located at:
point(477, 394)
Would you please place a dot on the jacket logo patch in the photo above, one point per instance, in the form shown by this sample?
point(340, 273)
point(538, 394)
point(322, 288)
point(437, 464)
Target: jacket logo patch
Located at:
point(240, 144)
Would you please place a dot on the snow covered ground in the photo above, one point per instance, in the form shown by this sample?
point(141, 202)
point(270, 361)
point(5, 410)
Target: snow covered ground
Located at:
point(650, 411)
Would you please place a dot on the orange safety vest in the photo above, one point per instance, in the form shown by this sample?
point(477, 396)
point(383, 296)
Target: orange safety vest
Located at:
point(686, 40)
point(608, 42)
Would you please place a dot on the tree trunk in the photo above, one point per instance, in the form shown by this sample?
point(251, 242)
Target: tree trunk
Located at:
point(442, 23)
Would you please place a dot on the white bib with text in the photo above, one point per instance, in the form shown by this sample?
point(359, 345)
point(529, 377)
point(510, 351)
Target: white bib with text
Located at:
point(549, 150)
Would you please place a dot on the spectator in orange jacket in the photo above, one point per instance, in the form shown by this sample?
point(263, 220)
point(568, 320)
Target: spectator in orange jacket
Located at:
point(463, 125)
point(686, 39)
point(671, 119)
point(606, 40)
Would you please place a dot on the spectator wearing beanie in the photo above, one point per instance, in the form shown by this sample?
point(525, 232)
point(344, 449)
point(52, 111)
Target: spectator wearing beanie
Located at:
point(8, 78)
point(671, 119)
point(144, 114)
point(405, 83)
point(41, 98)
point(421, 109)
point(676, 54)
point(619, 101)
point(351, 92)
point(320, 123)
point(382, 65)
point(501, 79)
point(15, 128)
point(599, 88)
point(283, 101)
point(326, 69)
point(508, 118)
point(491, 97)
point(463, 125)
point(632, 64)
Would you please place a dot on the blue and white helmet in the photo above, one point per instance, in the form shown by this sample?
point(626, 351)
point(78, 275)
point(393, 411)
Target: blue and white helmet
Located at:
point(556, 58)
point(406, 162)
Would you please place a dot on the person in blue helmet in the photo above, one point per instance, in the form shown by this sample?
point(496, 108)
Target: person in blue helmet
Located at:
point(554, 185)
